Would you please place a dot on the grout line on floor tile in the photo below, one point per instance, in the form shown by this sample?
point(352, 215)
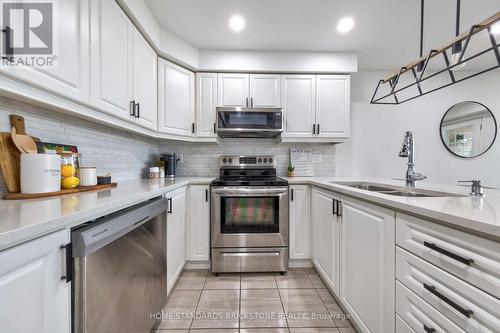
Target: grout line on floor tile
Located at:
point(198, 303)
point(282, 305)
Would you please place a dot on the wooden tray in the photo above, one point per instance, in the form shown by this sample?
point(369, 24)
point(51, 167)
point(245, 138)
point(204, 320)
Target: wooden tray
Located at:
point(18, 196)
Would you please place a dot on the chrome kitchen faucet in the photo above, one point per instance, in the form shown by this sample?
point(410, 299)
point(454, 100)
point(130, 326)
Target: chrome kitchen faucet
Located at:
point(408, 150)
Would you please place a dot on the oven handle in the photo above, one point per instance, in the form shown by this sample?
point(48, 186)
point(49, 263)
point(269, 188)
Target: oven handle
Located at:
point(276, 190)
point(250, 254)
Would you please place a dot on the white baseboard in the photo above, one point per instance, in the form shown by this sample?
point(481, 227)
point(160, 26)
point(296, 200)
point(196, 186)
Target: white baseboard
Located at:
point(194, 265)
point(300, 263)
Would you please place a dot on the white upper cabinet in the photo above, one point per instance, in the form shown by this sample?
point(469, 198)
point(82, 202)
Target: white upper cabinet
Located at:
point(70, 75)
point(265, 90)
point(199, 223)
point(33, 295)
point(300, 225)
point(299, 102)
point(111, 59)
point(367, 264)
point(175, 99)
point(206, 102)
point(145, 82)
point(332, 105)
point(233, 90)
point(325, 240)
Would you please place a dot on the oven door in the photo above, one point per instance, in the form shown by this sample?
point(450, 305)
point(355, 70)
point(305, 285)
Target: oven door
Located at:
point(249, 217)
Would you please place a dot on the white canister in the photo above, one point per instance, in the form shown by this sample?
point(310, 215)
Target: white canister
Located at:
point(40, 173)
point(88, 176)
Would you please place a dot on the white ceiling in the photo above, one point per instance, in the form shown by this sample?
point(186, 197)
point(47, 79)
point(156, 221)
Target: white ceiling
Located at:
point(386, 32)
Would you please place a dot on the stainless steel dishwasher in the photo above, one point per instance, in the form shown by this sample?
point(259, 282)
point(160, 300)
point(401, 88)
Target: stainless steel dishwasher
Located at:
point(120, 270)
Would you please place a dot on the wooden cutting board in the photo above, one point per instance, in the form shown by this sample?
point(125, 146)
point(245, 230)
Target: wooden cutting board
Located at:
point(10, 162)
point(10, 156)
point(18, 196)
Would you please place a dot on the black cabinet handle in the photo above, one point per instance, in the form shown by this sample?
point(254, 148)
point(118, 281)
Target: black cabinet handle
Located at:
point(334, 207)
point(132, 108)
point(206, 195)
point(291, 194)
point(170, 205)
point(317, 129)
point(429, 329)
point(246, 102)
point(467, 313)
point(314, 128)
point(447, 253)
point(138, 110)
point(9, 51)
point(192, 128)
point(339, 208)
point(251, 102)
point(215, 128)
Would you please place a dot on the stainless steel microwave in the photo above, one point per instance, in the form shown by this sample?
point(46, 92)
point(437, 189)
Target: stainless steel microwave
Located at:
point(249, 122)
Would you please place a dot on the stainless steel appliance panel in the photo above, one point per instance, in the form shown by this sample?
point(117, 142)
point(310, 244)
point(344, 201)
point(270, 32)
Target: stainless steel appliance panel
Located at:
point(249, 122)
point(244, 239)
point(121, 282)
point(234, 260)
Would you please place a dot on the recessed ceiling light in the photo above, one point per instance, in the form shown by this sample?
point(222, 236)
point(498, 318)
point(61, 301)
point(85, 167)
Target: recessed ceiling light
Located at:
point(495, 28)
point(345, 25)
point(237, 23)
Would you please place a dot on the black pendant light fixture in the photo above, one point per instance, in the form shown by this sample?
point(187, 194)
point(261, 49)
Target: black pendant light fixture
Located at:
point(456, 49)
point(390, 89)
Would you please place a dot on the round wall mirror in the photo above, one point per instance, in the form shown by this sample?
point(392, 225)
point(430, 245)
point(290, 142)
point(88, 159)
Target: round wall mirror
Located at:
point(468, 129)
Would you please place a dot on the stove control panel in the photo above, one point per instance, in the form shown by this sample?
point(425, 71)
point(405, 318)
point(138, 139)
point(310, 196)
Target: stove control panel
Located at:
point(247, 161)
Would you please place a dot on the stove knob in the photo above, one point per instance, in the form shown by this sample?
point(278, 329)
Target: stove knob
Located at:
point(224, 160)
point(260, 160)
point(270, 160)
point(265, 160)
point(230, 160)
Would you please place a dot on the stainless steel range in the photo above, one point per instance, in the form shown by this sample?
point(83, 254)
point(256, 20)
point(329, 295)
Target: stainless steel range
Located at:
point(249, 216)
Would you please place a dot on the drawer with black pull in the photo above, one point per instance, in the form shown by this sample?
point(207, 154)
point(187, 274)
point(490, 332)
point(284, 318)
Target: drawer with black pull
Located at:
point(465, 305)
point(419, 315)
point(469, 257)
point(402, 326)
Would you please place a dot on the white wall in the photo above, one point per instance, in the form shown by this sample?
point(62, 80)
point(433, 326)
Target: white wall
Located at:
point(289, 62)
point(377, 133)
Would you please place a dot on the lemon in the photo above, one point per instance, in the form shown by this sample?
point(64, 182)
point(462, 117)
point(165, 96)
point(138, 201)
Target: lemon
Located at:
point(68, 170)
point(70, 182)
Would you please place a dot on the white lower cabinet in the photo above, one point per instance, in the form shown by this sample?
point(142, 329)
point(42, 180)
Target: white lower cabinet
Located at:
point(367, 264)
point(198, 232)
point(325, 228)
point(176, 235)
point(33, 295)
point(300, 221)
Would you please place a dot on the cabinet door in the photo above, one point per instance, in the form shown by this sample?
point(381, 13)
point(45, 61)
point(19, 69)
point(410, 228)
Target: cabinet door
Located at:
point(299, 102)
point(176, 235)
point(333, 105)
point(70, 74)
point(325, 237)
point(206, 102)
point(111, 58)
point(33, 297)
point(233, 90)
point(265, 90)
point(300, 226)
point(199, 223)
point(145, 82)
point(175, 99)
point(367, 265)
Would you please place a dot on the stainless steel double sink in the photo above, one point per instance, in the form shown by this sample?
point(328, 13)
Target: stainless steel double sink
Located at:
point(399, 191)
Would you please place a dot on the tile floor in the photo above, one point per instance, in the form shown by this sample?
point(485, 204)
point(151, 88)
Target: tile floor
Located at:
point(297, 302)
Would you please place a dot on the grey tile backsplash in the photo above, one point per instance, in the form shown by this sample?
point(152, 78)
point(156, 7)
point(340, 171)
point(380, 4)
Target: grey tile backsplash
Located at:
point(127, 156)
point(201, 159)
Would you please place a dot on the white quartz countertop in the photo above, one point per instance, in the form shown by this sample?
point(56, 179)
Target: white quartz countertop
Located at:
point(22, 220)
point(478, 214)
